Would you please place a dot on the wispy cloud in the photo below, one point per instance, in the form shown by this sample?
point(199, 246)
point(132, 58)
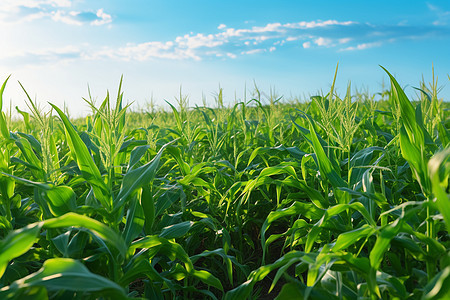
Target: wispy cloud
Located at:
point(336, 35)
point(15, 5)
point(362, 46)
point(79, 18)
point(230, 43)
point(442, 16)
point(19, 11)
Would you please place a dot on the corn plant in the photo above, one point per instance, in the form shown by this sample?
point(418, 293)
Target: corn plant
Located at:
point(340, 197)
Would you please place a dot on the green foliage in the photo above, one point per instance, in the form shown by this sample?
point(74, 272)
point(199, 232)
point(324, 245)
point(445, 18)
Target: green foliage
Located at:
point(336, 198)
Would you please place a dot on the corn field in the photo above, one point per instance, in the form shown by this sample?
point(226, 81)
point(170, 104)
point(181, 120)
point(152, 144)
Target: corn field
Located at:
point(336, 198)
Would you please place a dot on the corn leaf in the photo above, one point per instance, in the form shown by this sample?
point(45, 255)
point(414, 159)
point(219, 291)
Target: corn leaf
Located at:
point(61, 200)
point(17, 243)
point(3, 126)
point(85, 162)
point(137, 178)
point(106, 233)
point(70, 275)
point(135, 220)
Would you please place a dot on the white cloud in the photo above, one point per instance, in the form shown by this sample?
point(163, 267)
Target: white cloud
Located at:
point(321, 41)
point(344, 40)
point(271, 27)
point(232, 42)
point(306, 45)
point(14, 5)
point(363, 46)
point(81, 18)
point(442, 15)
point(19, 11)
point(145, 51)
point(195, 46)
point(315, 24)
point(198, 40)
point(254, 51)
point(103, 18)
point(67, 18)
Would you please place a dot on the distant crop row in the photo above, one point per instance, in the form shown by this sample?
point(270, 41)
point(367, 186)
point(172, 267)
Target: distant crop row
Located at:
point(337, 198)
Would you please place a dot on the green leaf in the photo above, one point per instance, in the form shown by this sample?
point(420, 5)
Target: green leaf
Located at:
point(138, 269)
point(228, 260)
point(298, 208)
point(134, 221)
point(4, 223)
point(137, 178)
point(31, 293)
point(361, 158)
point(350, 237)
point(17, 243)
point(290, 291)
point(325, 166)
point(3, 126)
point(376, 255)
point(104, 232)
point(7, 185)
point(244, 290)
point(332, 211)
point(29, 156)
point(34, 143)
point(148, 207)
point(413, 135)
point(136, 154)
point(2, 89)
point(26, 117)
point(170, 249)
point(439, 286)
point(415, 158)
point(241, 292)
point(314, 195)
point(85, 162)
point(169, 197)
point(58, 199)
point(383, 241)
point(444, 135)
point(70, 275)
point(176, 153)
point(208, 278)
point(61, 200)
point(298, 290)
point(176, 115)
point(408, 114)
point(176, 230)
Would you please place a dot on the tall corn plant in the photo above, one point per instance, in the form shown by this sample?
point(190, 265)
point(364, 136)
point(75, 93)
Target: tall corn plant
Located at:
point(125, 203)
point(362, 258)
point(229, 203)
point(417, 146)
point(7, 185)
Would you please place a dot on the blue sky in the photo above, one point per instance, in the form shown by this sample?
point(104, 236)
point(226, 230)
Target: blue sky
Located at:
point(55, 48)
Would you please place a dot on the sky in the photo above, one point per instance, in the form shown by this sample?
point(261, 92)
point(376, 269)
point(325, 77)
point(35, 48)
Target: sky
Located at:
point(57, 48)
